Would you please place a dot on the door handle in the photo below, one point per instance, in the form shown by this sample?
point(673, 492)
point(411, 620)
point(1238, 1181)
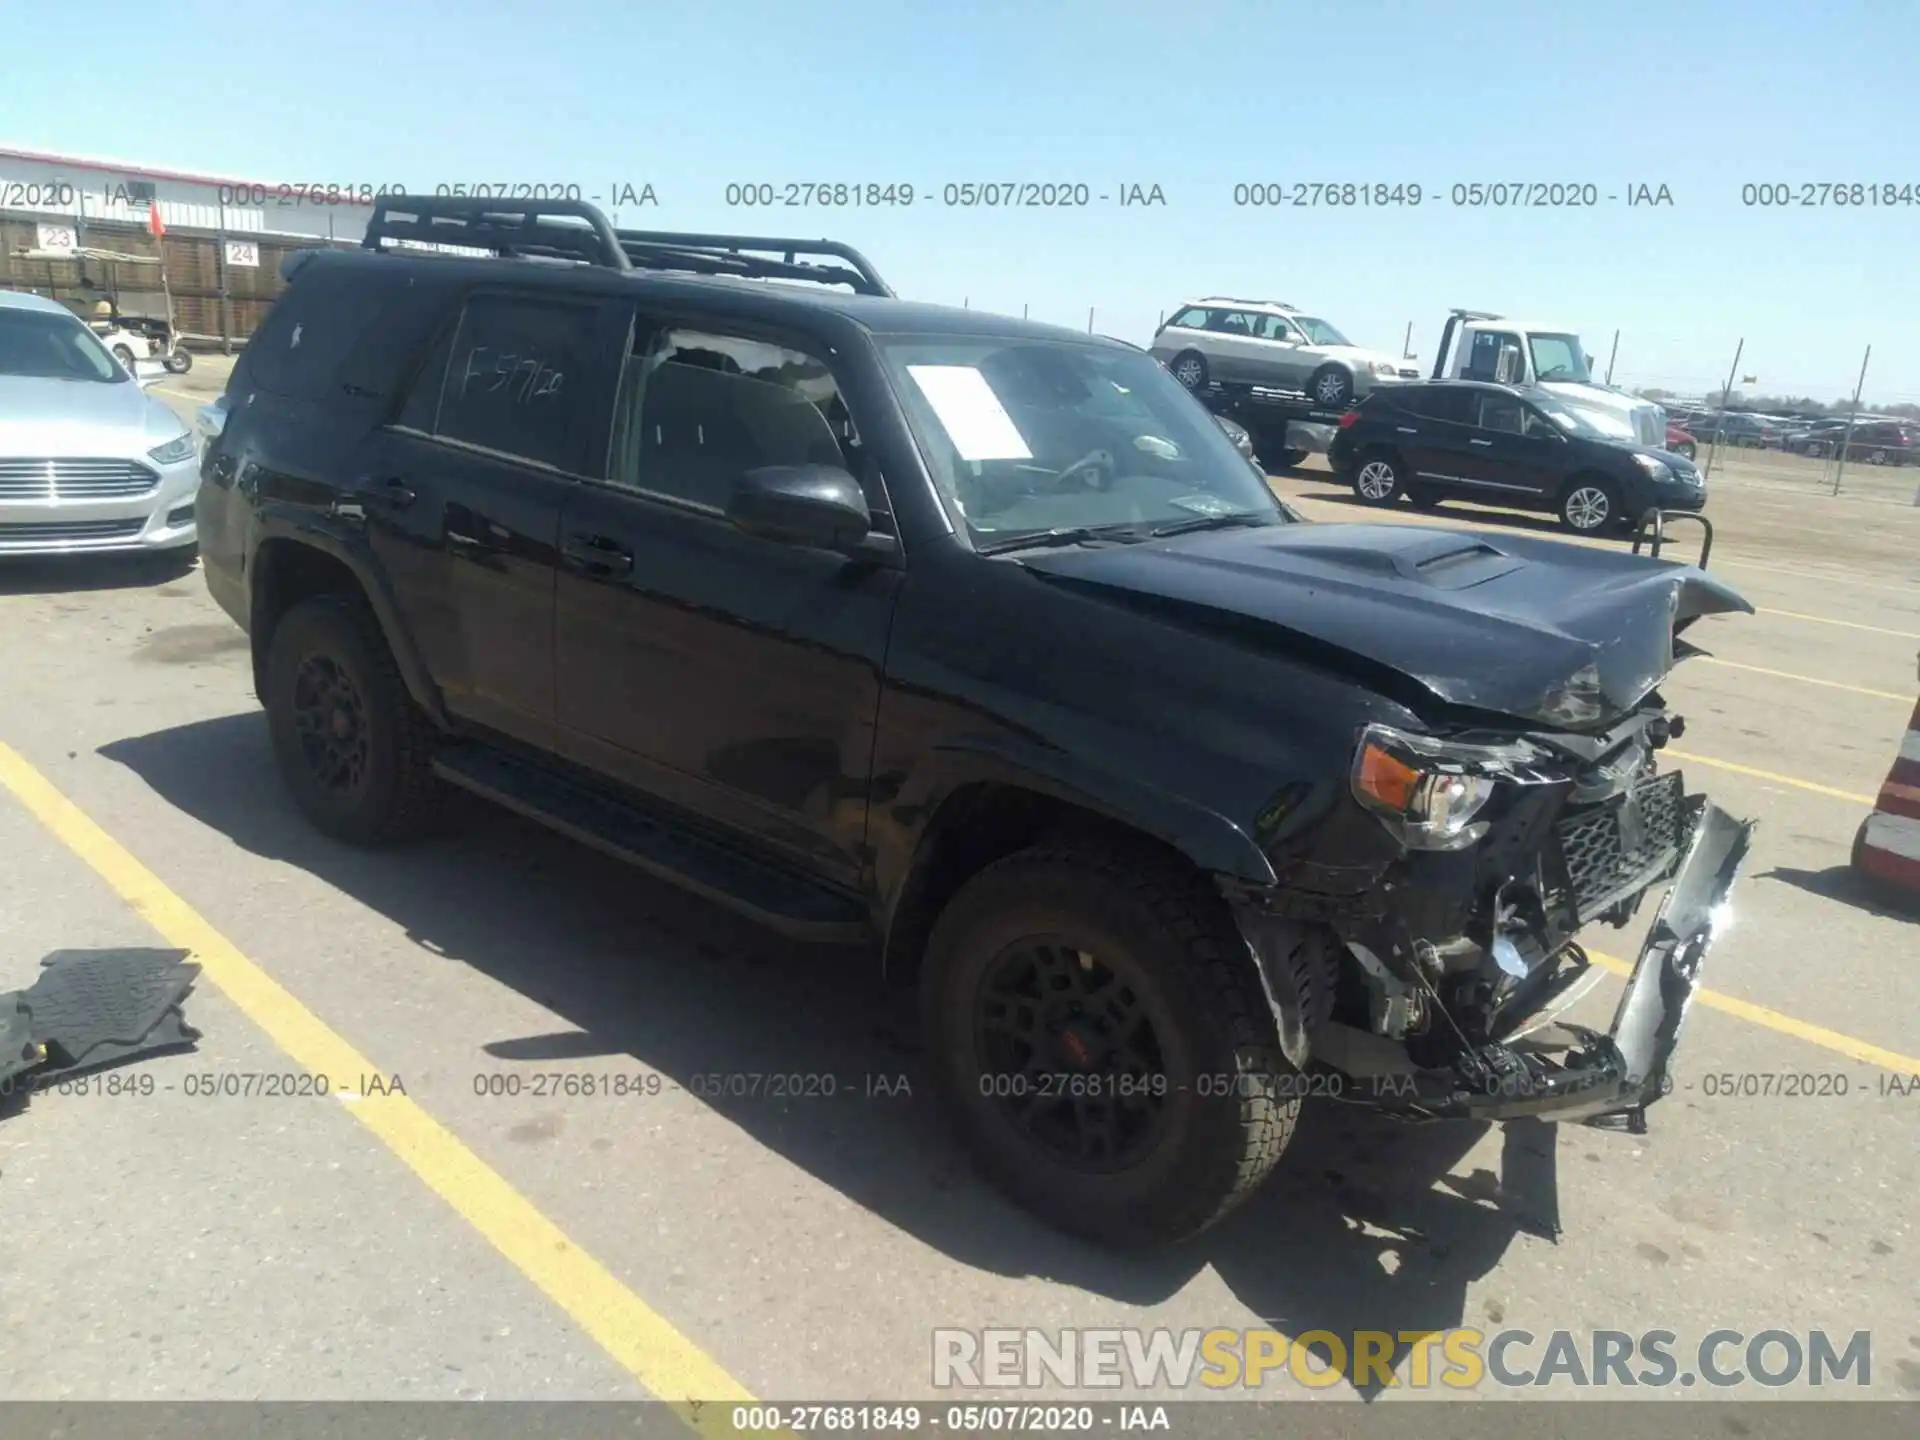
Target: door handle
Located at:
point(1406, 430)
point(392, 492)
point(1479, 442)
point(597, 556)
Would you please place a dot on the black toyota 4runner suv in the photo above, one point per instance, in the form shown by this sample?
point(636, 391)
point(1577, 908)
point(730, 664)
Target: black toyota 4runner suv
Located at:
point(977, 640)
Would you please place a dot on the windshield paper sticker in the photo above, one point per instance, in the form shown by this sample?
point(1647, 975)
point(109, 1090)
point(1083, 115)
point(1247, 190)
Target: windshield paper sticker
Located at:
point(971, 413)
point(1202, 504)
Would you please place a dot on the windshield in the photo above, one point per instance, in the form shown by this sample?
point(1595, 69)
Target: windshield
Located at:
point(1559, 358)
point(1024, 437)
point(1592, 424)
point(1320, 332)
point(38, 345)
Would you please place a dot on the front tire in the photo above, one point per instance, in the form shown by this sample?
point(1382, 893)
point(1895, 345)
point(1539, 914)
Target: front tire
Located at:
point(1591, 506)
point(179, 360)
point(351, 744)
point(1330, 385)
point(124, 356)
point(1100, 1037)
point(1189, 367)
point(1378, 480)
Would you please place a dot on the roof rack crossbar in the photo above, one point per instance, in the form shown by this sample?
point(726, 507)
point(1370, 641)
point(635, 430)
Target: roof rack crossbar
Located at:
point(505, 227)
point(716, 254)
point(1478, 315)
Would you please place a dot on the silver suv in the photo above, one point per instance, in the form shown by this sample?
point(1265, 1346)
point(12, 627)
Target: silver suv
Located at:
point(1219, 341)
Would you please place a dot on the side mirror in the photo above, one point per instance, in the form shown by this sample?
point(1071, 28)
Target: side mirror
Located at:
point(819, 506)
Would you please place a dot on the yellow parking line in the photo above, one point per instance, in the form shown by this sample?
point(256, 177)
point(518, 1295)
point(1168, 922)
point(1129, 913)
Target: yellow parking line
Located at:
point(1810, 575)
point(1846, 624)
point(668, 1364)
point(1853, 1049)
point(1805, 679)
point(1809, 785)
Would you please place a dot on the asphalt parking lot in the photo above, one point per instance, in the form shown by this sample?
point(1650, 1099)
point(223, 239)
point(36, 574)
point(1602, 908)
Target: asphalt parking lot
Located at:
point(455, 1242)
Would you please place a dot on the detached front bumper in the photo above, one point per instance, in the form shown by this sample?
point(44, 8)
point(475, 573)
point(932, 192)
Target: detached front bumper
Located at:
point(1568, 1072)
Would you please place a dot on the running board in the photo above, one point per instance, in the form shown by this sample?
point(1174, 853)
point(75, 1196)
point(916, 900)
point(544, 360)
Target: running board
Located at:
point(659, 845)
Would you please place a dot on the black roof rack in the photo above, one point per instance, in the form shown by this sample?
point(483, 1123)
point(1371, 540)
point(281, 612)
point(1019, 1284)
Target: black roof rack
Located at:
point(576, 231)
point(707, 254)
point(536, 228)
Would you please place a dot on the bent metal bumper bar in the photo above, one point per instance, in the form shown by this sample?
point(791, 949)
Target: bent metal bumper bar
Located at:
point(1569, 1072)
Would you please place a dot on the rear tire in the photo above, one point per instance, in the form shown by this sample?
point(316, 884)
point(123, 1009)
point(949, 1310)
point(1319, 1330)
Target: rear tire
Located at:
point(1189, 367)
point(123, 355)
point(1378, 479)
point(179, 360)
point(1591, 506)
point(1098, 968)
point(351, 744)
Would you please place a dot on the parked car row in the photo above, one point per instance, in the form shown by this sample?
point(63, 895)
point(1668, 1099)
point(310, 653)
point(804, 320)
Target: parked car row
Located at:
point(1869, 439)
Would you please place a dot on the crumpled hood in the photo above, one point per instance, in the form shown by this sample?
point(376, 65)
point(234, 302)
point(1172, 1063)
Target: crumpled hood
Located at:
point(40, 417)
point(1501, 623)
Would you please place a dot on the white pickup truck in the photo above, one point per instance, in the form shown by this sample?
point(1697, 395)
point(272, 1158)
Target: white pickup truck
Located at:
point(1478, 345)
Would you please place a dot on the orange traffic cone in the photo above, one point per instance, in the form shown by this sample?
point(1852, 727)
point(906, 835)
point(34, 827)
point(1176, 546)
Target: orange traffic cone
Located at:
point(1887, 848)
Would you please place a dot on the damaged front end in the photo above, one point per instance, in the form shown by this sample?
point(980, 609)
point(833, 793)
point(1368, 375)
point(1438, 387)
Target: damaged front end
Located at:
point(1419, 953)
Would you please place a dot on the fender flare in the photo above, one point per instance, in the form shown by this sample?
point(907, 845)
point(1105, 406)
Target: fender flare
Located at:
point(1213, 842)
point(346, 543)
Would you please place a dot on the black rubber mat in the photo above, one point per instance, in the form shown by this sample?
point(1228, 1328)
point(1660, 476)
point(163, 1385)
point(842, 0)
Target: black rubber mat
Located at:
point(19, 1051)
point(97, 1007)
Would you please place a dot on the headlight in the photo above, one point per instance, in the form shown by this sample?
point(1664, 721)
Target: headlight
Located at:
point(1428, 791)
point(1581, 699)
point(1385, 367)
point(1656, 469)
point(179, 448)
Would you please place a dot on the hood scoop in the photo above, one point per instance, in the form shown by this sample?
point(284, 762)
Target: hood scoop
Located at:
point(1441, 560)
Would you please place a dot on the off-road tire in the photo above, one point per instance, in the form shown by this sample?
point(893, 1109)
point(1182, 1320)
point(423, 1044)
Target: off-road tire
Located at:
point(398, 796)
point(1193, 363)
point(1371, 470)
point(1175, 934)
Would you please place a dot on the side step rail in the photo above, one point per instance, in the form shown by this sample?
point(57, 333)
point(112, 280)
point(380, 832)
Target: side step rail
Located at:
point(776, 897)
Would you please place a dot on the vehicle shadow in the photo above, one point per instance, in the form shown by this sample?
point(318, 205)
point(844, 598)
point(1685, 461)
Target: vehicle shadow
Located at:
point(1846, 885)
point(1367, 1225)
point(70, 574)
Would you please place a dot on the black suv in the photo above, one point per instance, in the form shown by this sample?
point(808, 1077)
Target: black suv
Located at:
point(977, 641)
point(1513, 445)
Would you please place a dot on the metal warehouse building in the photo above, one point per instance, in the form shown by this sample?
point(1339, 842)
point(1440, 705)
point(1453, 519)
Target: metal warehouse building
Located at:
point(81, 230)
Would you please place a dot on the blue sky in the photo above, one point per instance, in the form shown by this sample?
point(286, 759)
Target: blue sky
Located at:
point(1194, 98)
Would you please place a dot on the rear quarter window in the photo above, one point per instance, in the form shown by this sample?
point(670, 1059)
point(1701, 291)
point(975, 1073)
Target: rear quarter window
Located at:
point(320, 322)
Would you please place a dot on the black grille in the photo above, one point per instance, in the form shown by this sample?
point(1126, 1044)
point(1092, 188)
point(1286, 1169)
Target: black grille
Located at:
point(71, 479)
point(1603, 866)
point(64, 531)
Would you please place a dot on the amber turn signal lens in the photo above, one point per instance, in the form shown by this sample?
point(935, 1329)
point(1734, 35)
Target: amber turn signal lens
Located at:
point(1386, 779)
